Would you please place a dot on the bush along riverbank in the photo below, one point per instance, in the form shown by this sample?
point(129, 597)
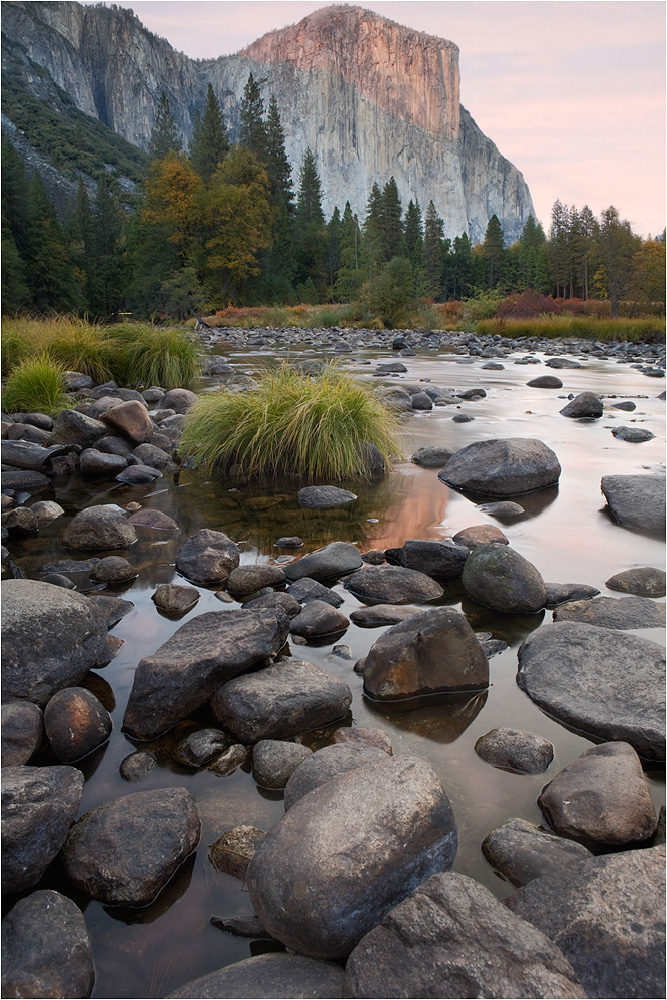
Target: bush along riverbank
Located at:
point(242, 672)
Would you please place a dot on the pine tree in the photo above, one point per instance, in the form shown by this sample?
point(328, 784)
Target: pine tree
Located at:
point(617, 245)
point(559, 235)
point(108, 216)
point(413, 234)
point(349, 277)
point(372, 241)
point(494, 247)
point(391, 231)
point(15, 292)
point(463, 266)
point(310, 232)
point(14, 194)
point(280, 172)
point(252, 129)
point(81, 236)
point(433, 236)
point(49, 270)
point(333, 259)
point(164, 136)
point(210, 142)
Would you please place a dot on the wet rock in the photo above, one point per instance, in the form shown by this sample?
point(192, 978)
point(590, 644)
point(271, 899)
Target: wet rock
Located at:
point(26, 432)
point(318, 618)
point(634, 435)
point(559, 593)
point(149, 517)
point(580, 674)
point(625, 404)
point(46, 511)
point(72, 427)
point(202, 654)
point(383, 614)
point(46, 951)
point(515, 750)
point(110, 610)
point(95, 464)
point(393, 585)
point(247, 927)
point(361, 736)
point(306, 590)
point(614, 612)
point(148, 454)
point(41, 420)
point(562, 363)
point(421, 401)
point(38, 806)
point(274, 975)
point(207, 557)
point(76, 723)
point(247, 579)
point(579, 910)
point(385, 367)
point(113, 569)
point(99, 527)
point(323, 876)
point(444, 560)
point(232, 852)
point(51, 637)
point(586, 404)
point(326, 764)
point(451, 936)
point(545, 382)
point(601, 799)
point(21, 732)
point(324, 497)
point(179, 400)
point(502, 509)
point(228, 761)
point(273, 761)
point(462, 418)
point(636, 502)
point(480, 534)
point(23, 479)
point(114, 445)
point(521, 852)
point(20, 522)
point(501, 579)
point(432, 456)
point(291, 542)
point(70, 566)
point(137, 765)
point(175, 600)
point(334, 560)
point(137, 474)
point(26, 455)
point(278, 601)
point(502, 467)
point(374, 557)
point(200, 747)
point(285, 699)
point(646, 581)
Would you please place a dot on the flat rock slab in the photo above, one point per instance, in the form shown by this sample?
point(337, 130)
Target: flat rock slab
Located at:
point(125, 851)
point(38, 806)
point(324, 497)
point(276, 975)
point(607, 914)
point(348, 852)
point(502, 467)
point(614, 612)
point(207, 557)
point(51, 637)
point(46, 950)
point(21, 732)
point(602, 681)
point(202, 654)
point(393, 585)
point(336, 559)
point(501, 579)
point(285, 699)
point(522, 851)
point(646, 581)
point(443, 560)
point(515, 750)
point(99, 527)
point(435, 651)
point(452, 937)
point(383, 614)
point(326, 764)
point(636, 502)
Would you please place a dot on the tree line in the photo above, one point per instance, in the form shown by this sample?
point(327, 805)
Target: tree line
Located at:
point(222, 224)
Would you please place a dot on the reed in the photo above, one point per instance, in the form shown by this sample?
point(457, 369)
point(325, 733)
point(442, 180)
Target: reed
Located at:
point(35, 385)
point(645, 331)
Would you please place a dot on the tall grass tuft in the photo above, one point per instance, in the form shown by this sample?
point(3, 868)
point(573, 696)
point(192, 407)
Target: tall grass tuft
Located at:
point(587, 328)
point(313, 427)
point(87, 349)
point(35, 386)
point(148, 355)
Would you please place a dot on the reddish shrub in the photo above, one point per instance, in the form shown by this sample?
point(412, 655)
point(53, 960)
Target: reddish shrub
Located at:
point(525, 306)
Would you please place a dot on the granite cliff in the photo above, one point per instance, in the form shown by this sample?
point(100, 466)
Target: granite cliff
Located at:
point(371, 98)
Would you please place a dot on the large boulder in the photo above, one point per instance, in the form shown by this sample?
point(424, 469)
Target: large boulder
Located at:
point(99, 527)
point(450, 938)
point(130, 420)
point(521, 851)
point(73, 427)
point(348, 852)
point(393, 585)
point(200, 656)
point(502, 467)
point(275, 974)
point(435, 651)
point(602, 681)
point(51, 637)
point(21, 732)
point(38, 807)
point(636, 502)
point(586, 404)
point(607, 915)
point(285, 699)
point(336, 559)
point(326, 764)
point(207, 557)
point(444, 560)
point(124, 851)
point(501, 579)
point(46, 950)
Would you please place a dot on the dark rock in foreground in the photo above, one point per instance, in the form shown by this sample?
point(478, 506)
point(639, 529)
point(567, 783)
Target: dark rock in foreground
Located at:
point(393, 585)
point(636, 502)
point(607, 915)
point(515, 750)
point(521, 852)
point(502, 467)
point(443, 560)
point(207, 557)
point(605, 682)
point(326, 764)
point(76, 723)
point(586, 404)
point(276, 975)
point(500, 578)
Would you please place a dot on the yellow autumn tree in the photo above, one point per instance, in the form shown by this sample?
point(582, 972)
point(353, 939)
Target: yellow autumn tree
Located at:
point(171, 189)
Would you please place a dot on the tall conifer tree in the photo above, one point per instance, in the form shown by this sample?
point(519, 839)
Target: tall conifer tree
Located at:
point(252, 130)
point(310, 231)
point(210, 141)
point(494, 247)
point(433, 235)
point(164, 136)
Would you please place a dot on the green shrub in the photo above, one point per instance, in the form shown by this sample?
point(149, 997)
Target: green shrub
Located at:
point(291, 425)
point(147, 355)
point(35, 386)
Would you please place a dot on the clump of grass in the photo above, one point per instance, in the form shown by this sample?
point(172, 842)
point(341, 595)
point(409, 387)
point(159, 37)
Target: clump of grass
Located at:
point(586, 328)
point(15, 349)
point(147, 355)
point(35, 386)
point(314, 427)
point(84, 348)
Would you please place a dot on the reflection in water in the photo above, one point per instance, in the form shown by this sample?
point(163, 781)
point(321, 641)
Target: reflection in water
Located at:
point(176, 887)
point(533, 503)
point(512, 628)
point(441, 718)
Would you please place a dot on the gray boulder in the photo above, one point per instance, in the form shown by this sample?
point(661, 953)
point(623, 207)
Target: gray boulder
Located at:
point(95, 464)
point(21, 732)
point(443, 560)
point(562, 363)
point(113, 569)
point(327, 763)
point(46, 511)
point(393, 585)
point(153, 519)
point(306, 590)
point(273, 761)
point(435, 651)
point(601, 799)
point(179, 400)
point(501, 579)
point(72, 427)
point(318, 618)
point(285, 699)
point(27, 455)
point(432, 456)
point(336, 559)
point(453, 938)
point(76, 723)
point(614, 612)
point(521, 852)
point(324, 497)
point(580, 675)
point(207, 557)
point(38, 807)
point(646, 581)
point(515, 750)
point(586, 404)
point(545, 382)
point(607, 915)
point(636, 502)
point(634, 435)
point(502, 467)
point(125, 851)
point(202, 654)
point(99, 527)
point(379, 615)
point(480, 534)
point(278, 601)
point(46, 950)
point(51, 637)
point(275, 974)
point(138, 474)
point(173, 599)
point(248, 579)
point(148, 454)
point(130, 419)
point(560, 593)
point(348, 852)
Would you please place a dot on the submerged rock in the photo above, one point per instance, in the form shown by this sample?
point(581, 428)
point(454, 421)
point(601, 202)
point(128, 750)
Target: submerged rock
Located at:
point(233, 851)
point(324, 496)
point(521, 852)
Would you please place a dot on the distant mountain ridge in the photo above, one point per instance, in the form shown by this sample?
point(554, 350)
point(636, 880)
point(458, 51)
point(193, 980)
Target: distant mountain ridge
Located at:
point(371, 98)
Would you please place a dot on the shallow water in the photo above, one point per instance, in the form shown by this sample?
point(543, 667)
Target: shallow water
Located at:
point(565, 532)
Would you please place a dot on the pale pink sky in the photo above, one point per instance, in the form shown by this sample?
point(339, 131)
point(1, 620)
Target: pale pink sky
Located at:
point(573, 93)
